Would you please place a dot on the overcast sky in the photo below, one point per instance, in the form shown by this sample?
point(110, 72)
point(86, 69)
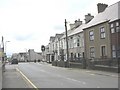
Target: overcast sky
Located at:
point(28, 24)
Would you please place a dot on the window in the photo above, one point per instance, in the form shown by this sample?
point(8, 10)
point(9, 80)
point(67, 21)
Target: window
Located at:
point(103, 51)
point(112, 28)
point(78, 42)
point(113, 51)
point(71, 42)
point(75, 42)
point(78, 54)
point(117, 23)
point(111, 25)
point(92, 52)
point(102, 32)
point(91, 35)
point(117, 27)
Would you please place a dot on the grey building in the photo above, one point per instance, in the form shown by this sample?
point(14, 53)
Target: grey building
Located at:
point(32, 55)
point(22, 57)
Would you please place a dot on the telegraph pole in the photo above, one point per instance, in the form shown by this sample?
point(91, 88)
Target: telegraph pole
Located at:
point(3, 55)
point(67, 43)
point(2, 49)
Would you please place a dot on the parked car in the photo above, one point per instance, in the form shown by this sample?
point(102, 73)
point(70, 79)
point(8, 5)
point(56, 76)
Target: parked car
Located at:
point(14, 61)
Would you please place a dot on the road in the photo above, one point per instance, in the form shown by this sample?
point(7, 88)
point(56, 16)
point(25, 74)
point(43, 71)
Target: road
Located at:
point(43, 75)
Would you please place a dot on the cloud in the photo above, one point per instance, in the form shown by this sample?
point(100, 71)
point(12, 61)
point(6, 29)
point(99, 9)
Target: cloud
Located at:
point(59, 27)
point(23, 37)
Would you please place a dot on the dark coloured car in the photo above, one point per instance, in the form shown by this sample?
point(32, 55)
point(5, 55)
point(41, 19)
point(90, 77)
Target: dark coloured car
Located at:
point(14, 61)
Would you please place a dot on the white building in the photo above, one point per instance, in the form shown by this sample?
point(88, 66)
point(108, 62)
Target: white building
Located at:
point(57, 46)
point(51, 48)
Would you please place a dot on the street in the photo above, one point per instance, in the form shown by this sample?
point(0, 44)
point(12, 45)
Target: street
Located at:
point(43, 75)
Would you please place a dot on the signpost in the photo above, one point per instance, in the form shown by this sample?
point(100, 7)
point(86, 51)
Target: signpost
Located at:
point(43, 49)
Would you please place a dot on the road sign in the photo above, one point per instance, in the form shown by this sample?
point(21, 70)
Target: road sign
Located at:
point(43, 48)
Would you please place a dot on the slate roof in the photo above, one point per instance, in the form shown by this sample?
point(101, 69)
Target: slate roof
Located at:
point(110, 14)
point(77, 30)
point(68, 32)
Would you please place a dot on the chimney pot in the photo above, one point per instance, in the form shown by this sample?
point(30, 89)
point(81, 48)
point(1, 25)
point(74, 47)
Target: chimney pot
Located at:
point(101, 7)
point(88, 18)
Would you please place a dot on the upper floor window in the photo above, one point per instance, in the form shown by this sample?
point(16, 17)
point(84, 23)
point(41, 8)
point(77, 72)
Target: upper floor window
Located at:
point(91, 35)
point(102, 32)
point(78, 42)
point(111, 25)
point(117, 27)
point(117, 23)
point(112, 28)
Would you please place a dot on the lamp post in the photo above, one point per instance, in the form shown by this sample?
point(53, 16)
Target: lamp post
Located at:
point(6, 46)
point(6, 50)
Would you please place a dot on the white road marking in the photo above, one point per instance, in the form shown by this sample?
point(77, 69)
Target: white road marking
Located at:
point(63, 77)
point(92, 74)
point(88, 71)
point(26, 78)
point(84, 82)
point(98, 87)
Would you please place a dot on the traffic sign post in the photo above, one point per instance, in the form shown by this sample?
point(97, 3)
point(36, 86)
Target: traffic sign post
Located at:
point(43, 49)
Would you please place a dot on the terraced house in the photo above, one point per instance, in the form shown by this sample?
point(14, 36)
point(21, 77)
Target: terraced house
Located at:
point(57, 46)
point(97, 41)
point(100, 42)
point(51, 49)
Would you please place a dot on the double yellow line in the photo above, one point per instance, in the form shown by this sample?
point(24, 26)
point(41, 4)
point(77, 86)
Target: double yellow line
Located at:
point(27, 79)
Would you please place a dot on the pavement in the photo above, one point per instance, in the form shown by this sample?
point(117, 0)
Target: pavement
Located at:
point(13, 79)
point(0, 76)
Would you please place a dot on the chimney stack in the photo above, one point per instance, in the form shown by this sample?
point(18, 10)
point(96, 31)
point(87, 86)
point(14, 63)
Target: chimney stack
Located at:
point(72, 26)
point(101, 7)
point(78, 23)
point(88, 18)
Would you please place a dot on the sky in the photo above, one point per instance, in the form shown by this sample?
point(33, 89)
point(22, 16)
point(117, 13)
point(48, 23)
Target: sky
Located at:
point(28, 24)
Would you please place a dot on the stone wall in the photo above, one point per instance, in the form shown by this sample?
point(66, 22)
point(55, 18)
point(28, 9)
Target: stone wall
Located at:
point(110, 65)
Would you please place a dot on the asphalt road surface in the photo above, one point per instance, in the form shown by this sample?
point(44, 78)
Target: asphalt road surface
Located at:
point(43, 75)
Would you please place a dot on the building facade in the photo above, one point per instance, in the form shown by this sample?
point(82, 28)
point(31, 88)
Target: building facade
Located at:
point(99, 41)
point(51, 49)
point(115, 38)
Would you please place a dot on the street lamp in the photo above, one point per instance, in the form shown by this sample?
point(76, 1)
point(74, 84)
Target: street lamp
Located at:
point(6, 46)
point(6, 49)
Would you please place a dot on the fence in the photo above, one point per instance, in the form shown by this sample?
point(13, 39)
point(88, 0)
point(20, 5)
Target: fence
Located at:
point(107, 64)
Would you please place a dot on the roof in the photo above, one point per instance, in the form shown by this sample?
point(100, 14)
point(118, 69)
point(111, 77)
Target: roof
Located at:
point(52, 38)
point(110, 14)
point(58, 35)
point(74, 31)
point(77, 30)
point(68, 32)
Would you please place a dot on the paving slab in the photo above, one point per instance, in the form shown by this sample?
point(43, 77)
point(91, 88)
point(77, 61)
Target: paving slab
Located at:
point(13, 79)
